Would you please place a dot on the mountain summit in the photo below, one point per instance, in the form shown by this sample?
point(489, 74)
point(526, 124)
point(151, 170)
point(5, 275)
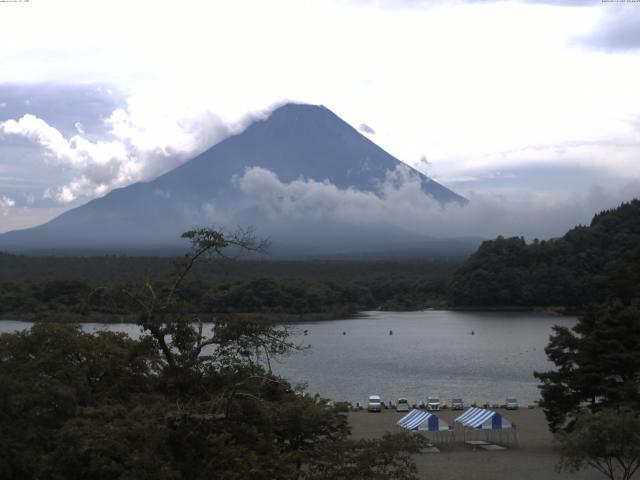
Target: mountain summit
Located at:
point(296, 143)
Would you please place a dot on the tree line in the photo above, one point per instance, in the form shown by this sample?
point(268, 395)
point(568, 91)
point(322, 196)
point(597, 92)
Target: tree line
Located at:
point(279, 297)
point(589, 264)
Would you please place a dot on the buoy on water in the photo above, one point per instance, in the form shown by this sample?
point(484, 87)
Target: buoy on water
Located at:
point(390, 332)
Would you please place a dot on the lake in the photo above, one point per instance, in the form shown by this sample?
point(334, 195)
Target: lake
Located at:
point(429, 353)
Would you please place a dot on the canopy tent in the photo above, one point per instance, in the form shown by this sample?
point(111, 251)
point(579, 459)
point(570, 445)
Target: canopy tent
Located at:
point(483, 419)
point(422, 421)
point(480, 419)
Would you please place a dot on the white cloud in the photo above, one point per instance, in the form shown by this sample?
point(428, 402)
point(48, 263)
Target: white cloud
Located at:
point(618, 28)
point(5, 204)
point(400, 202)
point(615, 156)
point(37, 130)
point(144, 140)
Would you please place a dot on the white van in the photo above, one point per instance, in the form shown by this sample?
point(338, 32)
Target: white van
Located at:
point(403, 405)
point(433, 404)
point(374, 404)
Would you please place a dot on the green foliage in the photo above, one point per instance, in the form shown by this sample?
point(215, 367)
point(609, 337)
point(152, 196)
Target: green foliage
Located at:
point(179, 403)
point(598, 364)
point(608, 441)
point(278, 289)
point(50, 375)
point(367, 459)
point(587, 265)
point(81, 406)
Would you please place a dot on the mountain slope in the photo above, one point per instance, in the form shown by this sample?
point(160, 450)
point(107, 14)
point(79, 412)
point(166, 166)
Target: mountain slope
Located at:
point(295, 141)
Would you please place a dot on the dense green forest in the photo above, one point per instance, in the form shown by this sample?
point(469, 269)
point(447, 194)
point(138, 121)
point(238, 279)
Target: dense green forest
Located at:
point(587, 265)
point(76, 288)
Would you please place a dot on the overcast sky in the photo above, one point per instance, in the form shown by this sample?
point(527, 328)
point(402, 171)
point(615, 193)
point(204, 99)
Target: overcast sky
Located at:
point(531, 102)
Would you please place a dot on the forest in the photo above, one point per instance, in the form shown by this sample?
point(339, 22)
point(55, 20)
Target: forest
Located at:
point(91, 288)
point(589, 264)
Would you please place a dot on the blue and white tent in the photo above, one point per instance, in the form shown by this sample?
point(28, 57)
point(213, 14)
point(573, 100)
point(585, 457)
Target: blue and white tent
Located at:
point(422, 421)
point(483, 419)
point(480, 419)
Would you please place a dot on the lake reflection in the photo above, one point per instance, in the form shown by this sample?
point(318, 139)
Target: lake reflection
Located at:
point(429, 353)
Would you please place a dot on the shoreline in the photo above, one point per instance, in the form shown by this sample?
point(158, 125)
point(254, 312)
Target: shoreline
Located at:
point(282, 318)
point(556, 311)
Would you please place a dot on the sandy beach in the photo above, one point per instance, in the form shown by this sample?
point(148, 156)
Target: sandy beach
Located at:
point(535, 458)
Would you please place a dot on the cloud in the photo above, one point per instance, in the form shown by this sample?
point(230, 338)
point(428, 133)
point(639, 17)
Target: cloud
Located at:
point(37, 130)
point(5, 204)
point(63, 105)
point(557, 3)
point(618, 29)
point(401, 203)
point(577, 164)
point(141, 141)
point(407, 4)
point(565, 3)
point(366, 129)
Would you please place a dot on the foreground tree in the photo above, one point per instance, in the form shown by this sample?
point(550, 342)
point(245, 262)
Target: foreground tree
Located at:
point(608, 441)
point(598, 364)
point(179, 403)
point(387, 458)
point(180, 338)
point(57, 382)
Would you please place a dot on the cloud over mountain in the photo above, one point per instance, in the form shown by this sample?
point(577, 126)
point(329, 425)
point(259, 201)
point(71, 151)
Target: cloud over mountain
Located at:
point(139, 144)
point(301, 168)
point(400, 202)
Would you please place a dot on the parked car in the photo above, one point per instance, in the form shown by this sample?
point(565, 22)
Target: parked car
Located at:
point(512, 403)
point(374, 404)
point(457, 404)
point(433, 404)
point(402, 405)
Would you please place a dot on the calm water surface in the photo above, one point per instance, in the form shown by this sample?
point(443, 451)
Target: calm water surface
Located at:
point(429, 353)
